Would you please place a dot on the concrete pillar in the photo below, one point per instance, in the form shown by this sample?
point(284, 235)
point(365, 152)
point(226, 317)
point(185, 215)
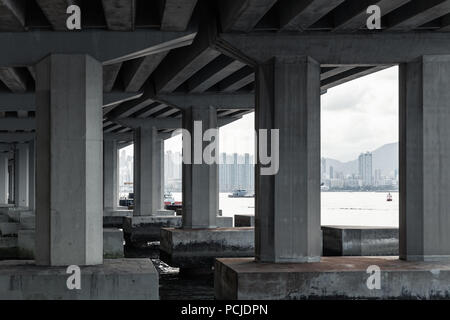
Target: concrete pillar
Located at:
point(110, 176)
point(69, 164)
point(148, 169)
point(287, 204)
point(4, 178)
point(200, 181)
point(21, 176)
point(424, 159)
point(11, 180)
point(32, 175)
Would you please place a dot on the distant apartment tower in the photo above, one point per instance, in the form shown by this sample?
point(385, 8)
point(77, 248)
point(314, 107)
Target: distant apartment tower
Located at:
point(331, 172)
point(365, 168)
point(323, 168)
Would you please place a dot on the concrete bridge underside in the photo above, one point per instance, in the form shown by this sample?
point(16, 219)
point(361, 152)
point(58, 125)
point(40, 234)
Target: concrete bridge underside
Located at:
point(139, 70)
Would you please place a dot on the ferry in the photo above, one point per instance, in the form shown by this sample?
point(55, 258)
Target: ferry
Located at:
point(240, 193)
point(389, 197)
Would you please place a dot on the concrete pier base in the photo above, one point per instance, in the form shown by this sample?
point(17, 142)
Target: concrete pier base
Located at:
point(244, 220)
point(360, 241)
point(198, 248)
point(135, 279)
point(148, 228)
point(116, 218)
point(332, 278)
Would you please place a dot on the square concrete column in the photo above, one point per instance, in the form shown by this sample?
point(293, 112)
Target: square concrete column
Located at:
point(110, 176)
point(69, 164)
point(200, 183)
point(4, 178)
point(148, 170)
point(11, 180)
point(21, 175)
point(32, 175)
point(287, 204)
point(424, 159)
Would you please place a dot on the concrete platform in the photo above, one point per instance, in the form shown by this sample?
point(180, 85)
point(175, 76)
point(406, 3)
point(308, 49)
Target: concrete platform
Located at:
point(332, 278)
point(198, 248)
point(126, 279)
point(116, 218)
point(244, 220)
point(359, 241)
point(148, 228)
point(112, 244)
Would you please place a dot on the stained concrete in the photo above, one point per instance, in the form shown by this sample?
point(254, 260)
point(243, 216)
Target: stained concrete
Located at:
point(197, 248)
point(244, 220)
point(359, 241)
point(125, 279)
point(115, 218)
point(332, 278)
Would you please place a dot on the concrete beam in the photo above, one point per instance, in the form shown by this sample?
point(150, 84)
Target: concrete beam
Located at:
point(120, 14)
point(55, 11)
point(110, 73)
point(242, 15)
point(27, 102)
point(176, 14)
point(352, 15)
point(12, 15)
point(328, 72)
point(126, 136)
point(26, 48)
point(14, 78)
point(334, 49)
point(137, 71)
point(237, 80)
point(417, 13)
point(298, 15)
point(217, 100)
point(159, 123)
point(351, 74)
point(10, 137)
point(12, 124)
point(214, 72)
point(181, 64)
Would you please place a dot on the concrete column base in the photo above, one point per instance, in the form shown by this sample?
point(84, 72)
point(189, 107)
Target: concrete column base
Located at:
point(360, 241)
point(244, 220)
point(332, 278)
point(135, 279)
point(148, 228)
point(115, 218)
point(198, 248)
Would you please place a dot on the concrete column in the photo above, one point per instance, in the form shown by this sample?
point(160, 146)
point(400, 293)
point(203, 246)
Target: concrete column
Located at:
point(32, 175)
point(11, 180)
point(148, 169)
point(21, 176)
point(200, 181)
point(69, 164)
point(4, 178)
point(287, 213)
point(110, 176)
point(424, 159)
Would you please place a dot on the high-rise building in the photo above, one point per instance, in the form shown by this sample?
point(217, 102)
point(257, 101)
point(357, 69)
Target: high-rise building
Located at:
point(331, 172)
point(365, 168)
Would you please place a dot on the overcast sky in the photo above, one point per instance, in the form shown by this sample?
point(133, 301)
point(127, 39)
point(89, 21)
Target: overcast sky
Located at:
point(358, 116)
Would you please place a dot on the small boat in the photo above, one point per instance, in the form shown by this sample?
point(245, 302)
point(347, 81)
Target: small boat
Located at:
point(240, 193)
point(389, 197)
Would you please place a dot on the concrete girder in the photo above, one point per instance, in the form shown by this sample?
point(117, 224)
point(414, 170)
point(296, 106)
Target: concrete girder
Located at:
point(14, 78)
point(328, 72)
point(26, 48)
point(237, 80)
point(137, 71)
point(417, 13)
point(10, 137)
point(149, 110)
point(176, 14)
point(218, 100)
point(12, 15)
point(55, 11)
point(118, 136)
point(110, 73)
point(26, 101)
point(242, 15)
point(298, 15)
point(12, 124)
point(164, 123)
point(214, 72)
point(120, 14)
point(348, 75)
point(334, 49)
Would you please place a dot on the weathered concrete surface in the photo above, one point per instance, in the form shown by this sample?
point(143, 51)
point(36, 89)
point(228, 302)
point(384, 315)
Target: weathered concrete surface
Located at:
point(8, 228)
point(148, 228)
point(3, 179)
point(115, 279)
point(198, 248)
point(164, 212)
point(27, 220)
point(359, 241)
point(244, 220)
point(8, 247)
point(13, 213)
point(112, 244)
point(332, 278)
point(116, 218)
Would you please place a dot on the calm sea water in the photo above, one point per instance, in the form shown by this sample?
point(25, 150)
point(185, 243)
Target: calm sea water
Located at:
point(338, 208)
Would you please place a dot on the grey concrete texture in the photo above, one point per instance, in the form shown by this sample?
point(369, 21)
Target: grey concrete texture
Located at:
point(244, 220)
point(115, 279)
point(332, 278)
point(197, 248)
point(359, 241)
